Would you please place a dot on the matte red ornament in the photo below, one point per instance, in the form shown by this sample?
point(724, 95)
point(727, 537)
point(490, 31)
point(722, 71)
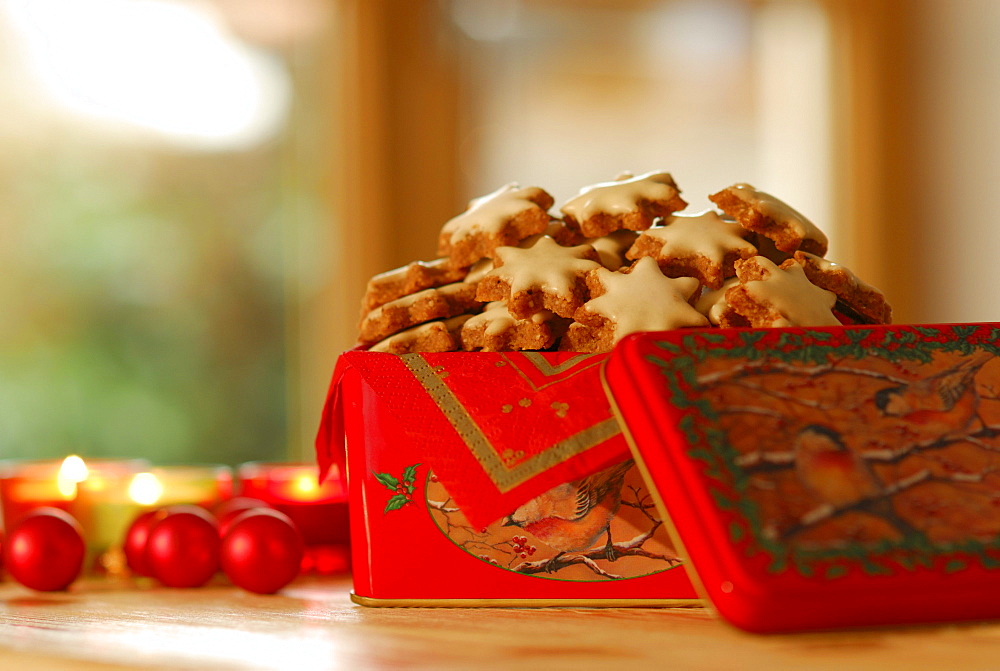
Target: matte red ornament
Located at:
point(262, 552)
point(227, 511)
point(136, 538)
point(45, 550)
point(182, 549)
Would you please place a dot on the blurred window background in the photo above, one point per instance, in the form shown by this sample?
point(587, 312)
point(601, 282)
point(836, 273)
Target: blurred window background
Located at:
point(193, 193)
point(157, 166)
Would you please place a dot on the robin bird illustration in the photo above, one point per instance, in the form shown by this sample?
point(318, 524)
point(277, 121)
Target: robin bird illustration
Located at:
point(573, 516)
point(944, 403)
point(833, 474)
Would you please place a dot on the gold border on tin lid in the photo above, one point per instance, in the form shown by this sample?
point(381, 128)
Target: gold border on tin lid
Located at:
point(503, 477)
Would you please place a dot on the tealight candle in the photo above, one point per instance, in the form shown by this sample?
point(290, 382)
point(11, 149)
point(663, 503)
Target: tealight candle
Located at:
point(29, 484)
point(319, 510)
point(103, 505)
point(205, 485)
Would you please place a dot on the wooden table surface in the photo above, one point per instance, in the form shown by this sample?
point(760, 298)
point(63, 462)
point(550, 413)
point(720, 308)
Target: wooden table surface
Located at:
point(100, 625)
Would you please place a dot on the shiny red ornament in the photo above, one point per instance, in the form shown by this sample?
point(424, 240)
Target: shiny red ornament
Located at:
point(262, 551)
point(228, 511)
point(45, 550)
point(136, 539)
point(182, 548)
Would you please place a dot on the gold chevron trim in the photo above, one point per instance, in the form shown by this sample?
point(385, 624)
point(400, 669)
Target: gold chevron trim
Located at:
point(504, 478)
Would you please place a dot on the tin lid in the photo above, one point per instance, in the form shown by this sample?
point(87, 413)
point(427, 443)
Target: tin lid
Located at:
point(828, 477)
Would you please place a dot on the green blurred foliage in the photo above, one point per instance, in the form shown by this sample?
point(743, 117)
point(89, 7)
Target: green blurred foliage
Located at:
point(142, 304)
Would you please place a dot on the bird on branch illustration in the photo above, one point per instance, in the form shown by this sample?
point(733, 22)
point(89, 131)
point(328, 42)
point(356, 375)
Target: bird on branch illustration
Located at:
point(945, 403)
point(838, 477)
point(573, 516)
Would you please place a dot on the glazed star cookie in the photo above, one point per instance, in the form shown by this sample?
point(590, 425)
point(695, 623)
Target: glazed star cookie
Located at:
point(544, 276)
point(478, 270)
point(449, 300)
point(613, 248)
point(763, 213)
point(641, 300)
point(702, 245)
point(712, 303)
point(504, 217)
point(856, 299)
point(558, 231)
point(773, 296)
point(495, 329)
point(442, 335)
point(409, 279)
point(631, 203)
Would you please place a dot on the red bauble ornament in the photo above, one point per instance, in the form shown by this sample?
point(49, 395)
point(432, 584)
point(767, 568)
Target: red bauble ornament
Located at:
point(136, 539)
point(229, 510)
point(45, 550)
point(182, 548)
point(262, 551)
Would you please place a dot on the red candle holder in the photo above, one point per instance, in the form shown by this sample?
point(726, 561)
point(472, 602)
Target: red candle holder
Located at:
point(28, 484)
point(319, 510)
point(204, 485)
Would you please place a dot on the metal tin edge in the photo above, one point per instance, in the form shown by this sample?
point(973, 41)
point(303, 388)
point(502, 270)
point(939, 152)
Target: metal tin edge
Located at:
point(372, 602)
point(689, 566)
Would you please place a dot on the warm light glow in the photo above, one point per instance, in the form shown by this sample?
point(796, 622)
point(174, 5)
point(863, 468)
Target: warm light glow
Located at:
point(145, 489)
point(306, 484)
point(165, 66)
point(72, 472)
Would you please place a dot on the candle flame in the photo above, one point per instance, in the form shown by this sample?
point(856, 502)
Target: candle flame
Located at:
point(145, 489)
point(306, 484)
point(72, 472)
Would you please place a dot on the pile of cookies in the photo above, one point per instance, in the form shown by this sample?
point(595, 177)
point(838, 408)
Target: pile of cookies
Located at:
point(622, 257)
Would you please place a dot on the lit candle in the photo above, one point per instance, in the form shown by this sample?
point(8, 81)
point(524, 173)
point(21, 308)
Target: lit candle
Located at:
point(204, 485)
point(103, 505)
point(27, 484)
point(319, 510)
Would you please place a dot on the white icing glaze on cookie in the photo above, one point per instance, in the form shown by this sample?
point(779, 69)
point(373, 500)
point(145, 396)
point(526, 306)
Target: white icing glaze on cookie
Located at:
point(613, 247)
point(645, 300)
point(405, 339)
point(712, 303)
point(478, 270)
point(490, 213)
point(546, 265)
point(498, 319)
point(827, 266)
point(780, 211)
point(789, 291)
point(702, 234)
point(620, 196)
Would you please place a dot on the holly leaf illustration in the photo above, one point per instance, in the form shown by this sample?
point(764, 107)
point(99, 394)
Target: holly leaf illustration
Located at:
point(387, 480)
point(410, 473)
point(395, 503)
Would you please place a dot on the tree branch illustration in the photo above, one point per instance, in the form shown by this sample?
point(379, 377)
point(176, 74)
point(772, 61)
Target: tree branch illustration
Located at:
point(633, 547)
point(776, 460)
point(476, 537)
point(825, 512)
point(629, 548)
point(753, 368)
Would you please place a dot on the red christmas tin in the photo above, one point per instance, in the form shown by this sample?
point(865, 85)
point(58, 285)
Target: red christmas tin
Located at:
point(828, 477)
point(493, 479)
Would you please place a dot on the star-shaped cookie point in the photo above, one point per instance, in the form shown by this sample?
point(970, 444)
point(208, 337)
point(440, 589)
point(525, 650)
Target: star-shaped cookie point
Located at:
point(773, 296)
point(504, 217)
point(545, 275)
point(773, 218)
point(632, 203)
point(702, 245)
point(642, 300)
